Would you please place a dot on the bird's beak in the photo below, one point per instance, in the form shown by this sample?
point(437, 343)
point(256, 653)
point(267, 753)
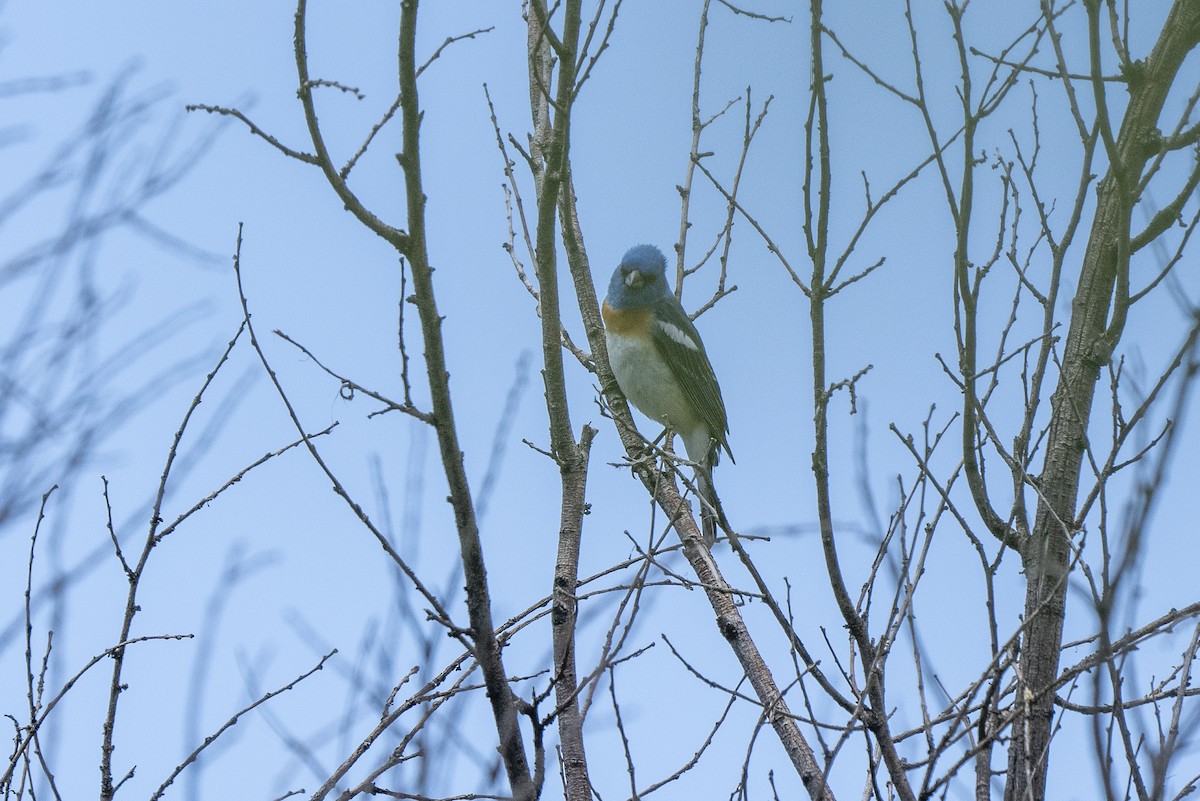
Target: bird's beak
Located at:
point(634, 279)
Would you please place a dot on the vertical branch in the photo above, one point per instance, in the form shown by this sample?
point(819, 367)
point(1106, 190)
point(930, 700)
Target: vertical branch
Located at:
point(133, 576)
point(34, 691)
point(873, 715)
point(323, 159)
point(552, 140)
point(968, 281)
point(685, 189)
point(412, 245)
point(1096, 325)
point(564, 615)
point(479, 605)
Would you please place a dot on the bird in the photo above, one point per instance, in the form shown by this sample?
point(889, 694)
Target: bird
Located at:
point(662, 367)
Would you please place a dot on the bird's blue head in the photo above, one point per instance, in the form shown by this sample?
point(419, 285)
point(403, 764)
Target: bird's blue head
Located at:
point(639, 280)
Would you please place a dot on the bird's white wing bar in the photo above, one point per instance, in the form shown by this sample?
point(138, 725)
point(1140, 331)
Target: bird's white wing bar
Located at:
point(678, 335)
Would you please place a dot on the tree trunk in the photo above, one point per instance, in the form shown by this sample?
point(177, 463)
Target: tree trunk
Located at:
point(1097, 319)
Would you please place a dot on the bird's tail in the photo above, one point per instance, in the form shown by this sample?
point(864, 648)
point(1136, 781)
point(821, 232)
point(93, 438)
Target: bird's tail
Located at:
point(711, 513)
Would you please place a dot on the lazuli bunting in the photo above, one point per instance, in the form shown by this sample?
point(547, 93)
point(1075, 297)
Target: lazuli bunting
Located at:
point(662, 367)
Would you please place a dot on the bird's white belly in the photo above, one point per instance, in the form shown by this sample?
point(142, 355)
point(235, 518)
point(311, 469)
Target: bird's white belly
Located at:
point(648, 382)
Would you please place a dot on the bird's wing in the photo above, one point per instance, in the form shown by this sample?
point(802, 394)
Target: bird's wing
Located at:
point(681, 348)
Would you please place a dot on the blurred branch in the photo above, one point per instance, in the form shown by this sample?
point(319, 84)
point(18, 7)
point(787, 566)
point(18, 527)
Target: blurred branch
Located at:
point(63, 394)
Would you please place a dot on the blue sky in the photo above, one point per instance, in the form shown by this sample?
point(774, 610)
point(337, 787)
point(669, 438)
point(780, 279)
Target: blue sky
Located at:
point(312, 272)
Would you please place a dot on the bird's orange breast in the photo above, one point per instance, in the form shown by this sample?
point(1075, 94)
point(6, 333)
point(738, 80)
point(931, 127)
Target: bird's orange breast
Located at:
point(632, 322)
